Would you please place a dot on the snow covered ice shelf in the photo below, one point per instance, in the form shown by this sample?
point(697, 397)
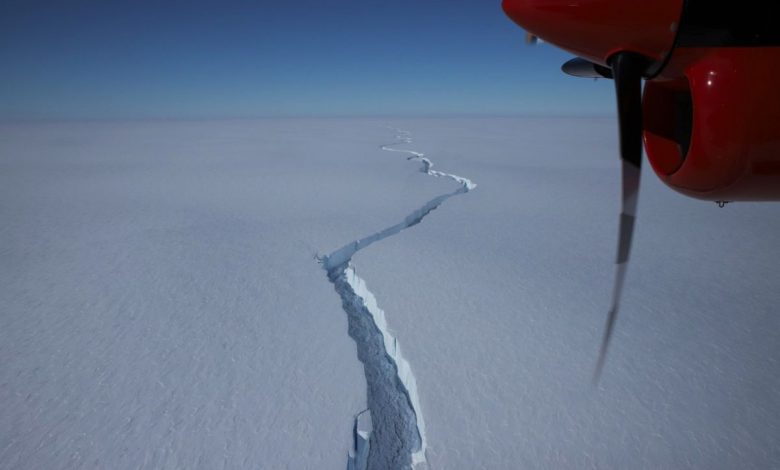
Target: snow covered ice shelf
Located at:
point(160, 304)
point(499, 298)
point(161, 307)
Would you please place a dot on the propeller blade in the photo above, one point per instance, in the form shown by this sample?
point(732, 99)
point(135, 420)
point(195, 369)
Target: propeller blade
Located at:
point(627, 69)
point(531, 39)
point(582, 68)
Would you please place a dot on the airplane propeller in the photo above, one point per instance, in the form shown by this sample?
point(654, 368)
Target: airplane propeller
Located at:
point(689, 93)
point(626, 70)
point(582, 68)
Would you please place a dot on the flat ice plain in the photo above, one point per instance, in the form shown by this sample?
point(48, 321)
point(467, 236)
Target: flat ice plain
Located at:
point(161, 305)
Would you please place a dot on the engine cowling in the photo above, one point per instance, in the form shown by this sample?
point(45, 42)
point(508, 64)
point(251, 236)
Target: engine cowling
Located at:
point(712, 123)
point(597, 29)
point(711, 104)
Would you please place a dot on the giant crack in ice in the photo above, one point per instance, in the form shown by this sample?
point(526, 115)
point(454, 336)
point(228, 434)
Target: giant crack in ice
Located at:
point(391, 433)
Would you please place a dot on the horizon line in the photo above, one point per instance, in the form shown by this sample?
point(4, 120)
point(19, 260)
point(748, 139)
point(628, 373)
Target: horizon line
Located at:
point(20, 120)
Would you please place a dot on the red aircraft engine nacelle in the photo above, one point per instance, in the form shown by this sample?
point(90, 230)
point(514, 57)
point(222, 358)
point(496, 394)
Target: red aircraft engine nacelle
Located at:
point(711, 102)
point(712, 123)
point(597, 29)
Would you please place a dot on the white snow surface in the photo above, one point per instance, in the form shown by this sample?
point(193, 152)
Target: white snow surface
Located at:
point(160, 301)
point(161, 305)
point(500, 297)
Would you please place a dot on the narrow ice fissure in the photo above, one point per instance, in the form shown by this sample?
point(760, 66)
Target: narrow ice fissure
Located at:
point(391, 434)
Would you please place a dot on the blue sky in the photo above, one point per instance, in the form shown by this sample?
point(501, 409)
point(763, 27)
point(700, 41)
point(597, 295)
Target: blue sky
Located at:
point(207, 59)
